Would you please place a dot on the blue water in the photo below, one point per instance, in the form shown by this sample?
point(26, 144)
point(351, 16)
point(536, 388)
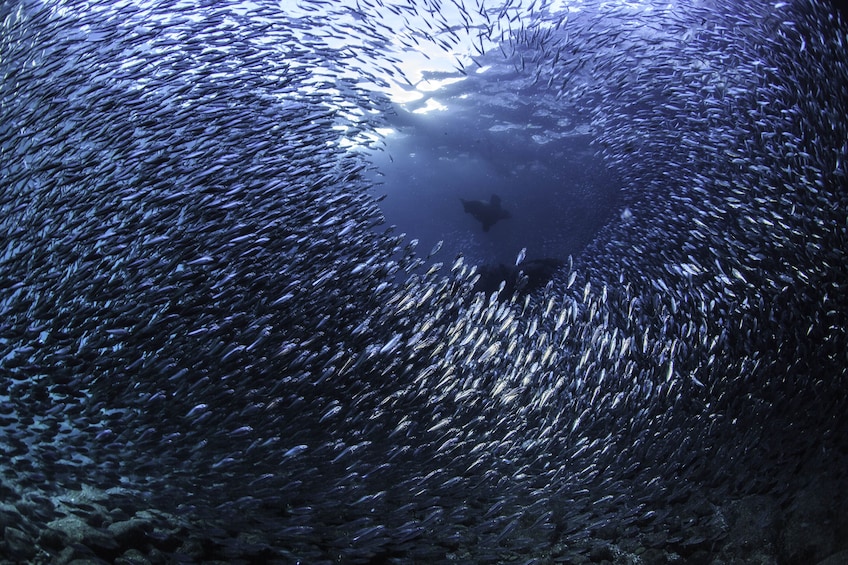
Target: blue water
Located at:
point(532, 150)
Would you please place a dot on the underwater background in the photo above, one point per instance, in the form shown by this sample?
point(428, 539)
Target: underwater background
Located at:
point(248, 315)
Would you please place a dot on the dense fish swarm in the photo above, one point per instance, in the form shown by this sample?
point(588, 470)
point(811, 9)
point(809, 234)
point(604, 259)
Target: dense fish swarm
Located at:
point(209, 348)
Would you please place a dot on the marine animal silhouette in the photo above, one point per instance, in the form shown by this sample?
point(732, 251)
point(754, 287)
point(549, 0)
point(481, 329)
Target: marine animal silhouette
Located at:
point(487, 213)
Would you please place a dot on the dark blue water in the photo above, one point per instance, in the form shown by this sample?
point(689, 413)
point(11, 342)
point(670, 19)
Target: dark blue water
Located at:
point(534, 152)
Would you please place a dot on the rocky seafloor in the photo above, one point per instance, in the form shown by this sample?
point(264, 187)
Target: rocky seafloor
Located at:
point(807, 524)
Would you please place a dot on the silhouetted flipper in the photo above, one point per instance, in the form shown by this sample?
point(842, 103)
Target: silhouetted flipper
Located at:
point(487, 213)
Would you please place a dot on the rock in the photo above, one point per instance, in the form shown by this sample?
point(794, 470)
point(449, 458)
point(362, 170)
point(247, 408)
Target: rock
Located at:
point(699, 557)
point(131, 533)
point(839, 558)
point(193, 549)
point(132, 557)
point(19, 545)
point(64, 557)
point(751, 526)
point(601, 552)
point(101, 542)
point(74, 527)
point(809, 534)
point(52, 539)
point(653, 556)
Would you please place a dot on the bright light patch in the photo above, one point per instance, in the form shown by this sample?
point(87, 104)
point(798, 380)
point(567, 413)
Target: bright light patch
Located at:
point(433, 85)
point(401, 96)
point(430, 106)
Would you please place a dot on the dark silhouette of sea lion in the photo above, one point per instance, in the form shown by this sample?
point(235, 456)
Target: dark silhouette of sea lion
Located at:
point(529, 276)
point(487, 213)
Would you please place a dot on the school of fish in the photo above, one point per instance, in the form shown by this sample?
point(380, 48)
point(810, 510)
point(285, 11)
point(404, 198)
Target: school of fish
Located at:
point(202, 313)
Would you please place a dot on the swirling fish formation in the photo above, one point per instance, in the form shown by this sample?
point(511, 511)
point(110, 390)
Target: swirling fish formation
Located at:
point(201, 316)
